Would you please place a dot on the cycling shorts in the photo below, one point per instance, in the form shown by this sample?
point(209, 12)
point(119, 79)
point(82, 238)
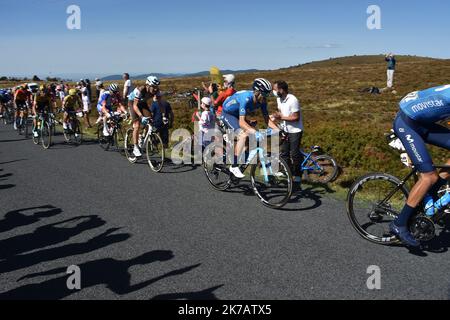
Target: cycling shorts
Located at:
point(230, 121)
point(142, 105)
point(415, 136)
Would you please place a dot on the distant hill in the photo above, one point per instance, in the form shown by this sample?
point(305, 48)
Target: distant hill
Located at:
point(117, 77)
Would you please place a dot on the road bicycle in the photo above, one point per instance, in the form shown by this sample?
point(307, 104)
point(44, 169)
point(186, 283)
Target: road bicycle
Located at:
point(115, 138)
point(75, 134)
point(43, 129)
point(22, 121)
point(271, 177)
point(8, 114)
point(376, 199)
point(317, 167)
point(151, 141)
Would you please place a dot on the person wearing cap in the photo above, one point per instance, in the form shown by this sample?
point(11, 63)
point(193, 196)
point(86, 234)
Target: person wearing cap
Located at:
point(228, 83)
point(206, 120)
point(391, 64)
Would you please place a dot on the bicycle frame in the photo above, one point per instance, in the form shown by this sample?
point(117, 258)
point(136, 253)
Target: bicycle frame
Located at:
point(406, 179)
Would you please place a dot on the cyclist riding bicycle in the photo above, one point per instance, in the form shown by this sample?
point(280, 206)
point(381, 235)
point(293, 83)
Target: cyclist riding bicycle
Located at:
point(71, 102)
point(5, 98)
point(139, 108)
point(235, 110)
point(417, 124)
point(108, 99)
point(42, 103)
point(21, 101)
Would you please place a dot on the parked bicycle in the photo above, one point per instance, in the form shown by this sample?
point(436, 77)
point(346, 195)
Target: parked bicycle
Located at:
point(151, 141)
point(271, 178)
point(376, 199)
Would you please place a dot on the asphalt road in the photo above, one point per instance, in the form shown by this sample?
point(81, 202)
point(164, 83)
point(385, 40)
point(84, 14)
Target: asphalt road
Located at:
point(135, 234)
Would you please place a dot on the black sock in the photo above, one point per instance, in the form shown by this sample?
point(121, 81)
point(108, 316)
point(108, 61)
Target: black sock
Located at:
point(405, 215)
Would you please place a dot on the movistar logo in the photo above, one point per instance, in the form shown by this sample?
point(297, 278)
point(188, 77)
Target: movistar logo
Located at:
point(409, 138)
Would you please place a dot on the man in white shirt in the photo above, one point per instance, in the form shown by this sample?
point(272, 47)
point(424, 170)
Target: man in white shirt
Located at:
point(127, 88)
point(289, 116)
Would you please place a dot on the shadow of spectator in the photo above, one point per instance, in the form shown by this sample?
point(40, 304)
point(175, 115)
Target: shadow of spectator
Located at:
point(109, 272)
point(18, 218)
point(26, 260)
point(47, 235)
point(207, 294)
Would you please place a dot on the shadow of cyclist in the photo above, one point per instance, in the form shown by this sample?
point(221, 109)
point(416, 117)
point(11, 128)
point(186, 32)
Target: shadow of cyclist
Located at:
point(26, 260)
point(19, 218)
point(109, 272)
point(48, 235)
point(207, 294)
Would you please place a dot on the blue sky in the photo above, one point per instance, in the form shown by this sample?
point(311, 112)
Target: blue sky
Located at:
point(187, 36)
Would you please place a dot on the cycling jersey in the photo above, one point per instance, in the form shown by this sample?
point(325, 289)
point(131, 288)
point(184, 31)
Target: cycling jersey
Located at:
point(21, 95)
point(111, 99)
point(71, 101)
point(137, 94)
point(427, 106)
point(43, 102)
point(241, 103)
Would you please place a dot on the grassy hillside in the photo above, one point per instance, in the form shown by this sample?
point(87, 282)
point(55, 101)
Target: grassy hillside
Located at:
point(346, 123)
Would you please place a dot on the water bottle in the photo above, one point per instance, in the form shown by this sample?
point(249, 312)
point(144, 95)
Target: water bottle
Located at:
point(443, 202)
point(429, 206)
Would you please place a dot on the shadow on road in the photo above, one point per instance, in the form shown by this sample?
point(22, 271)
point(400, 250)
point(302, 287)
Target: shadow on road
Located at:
point(112, 273)
point(4, 177)
point(207, 294)
point(13, 161)
point(19, 218)
point(48, 235)
point(103, 240)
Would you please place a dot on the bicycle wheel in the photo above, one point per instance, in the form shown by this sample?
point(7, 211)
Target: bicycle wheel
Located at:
point(373, 202)
point(215, 167)
point(119, 140)
point(26, 124)
point(104, 142)
point(155, 152)
point(128, 146)
point(273, 187)
point(321, 169)
point(46, 135)
point(77, 132)
point(35, 139)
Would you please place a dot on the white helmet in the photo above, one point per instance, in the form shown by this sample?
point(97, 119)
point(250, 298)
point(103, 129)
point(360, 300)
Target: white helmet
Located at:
point(262, 85)
point(153, 81)
point(206, 101)
point(230, 78)
point(113, 87)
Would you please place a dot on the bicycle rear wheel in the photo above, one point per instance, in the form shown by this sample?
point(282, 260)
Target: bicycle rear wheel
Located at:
point(321, 169)
point(46, 135)
point(273, 187)
point(128, 146)
point(77, 133)
point(373, 202)
point(215, 167)
point(35, 139)
point(155, 152)
point(103, 141)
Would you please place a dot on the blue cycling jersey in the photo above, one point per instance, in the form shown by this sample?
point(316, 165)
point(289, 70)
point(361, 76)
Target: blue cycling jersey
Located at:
point(106, 96)
point(242, 103)
point(428, 106)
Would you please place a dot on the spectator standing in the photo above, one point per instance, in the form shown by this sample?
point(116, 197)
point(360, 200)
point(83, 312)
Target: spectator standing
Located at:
point(391, 64)
point(127, 88)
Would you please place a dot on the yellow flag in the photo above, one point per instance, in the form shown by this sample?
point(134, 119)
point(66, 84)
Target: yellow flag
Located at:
point(216, 75)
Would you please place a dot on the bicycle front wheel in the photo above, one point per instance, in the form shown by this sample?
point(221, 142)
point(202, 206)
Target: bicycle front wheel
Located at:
point(103, 141)
point(321, 169)
point(78, 133)
point(155, 152)
point(46, 135)
point(272, 182)
point(373, 202)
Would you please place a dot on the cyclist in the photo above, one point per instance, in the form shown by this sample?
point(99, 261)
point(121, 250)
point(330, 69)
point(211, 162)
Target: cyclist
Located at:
point(5, 98)
point(235, 110)
point(139, 109)
point(21, 98)
point(108, 99)
point(42, 103)
point(71, 102)
point(417, 124)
